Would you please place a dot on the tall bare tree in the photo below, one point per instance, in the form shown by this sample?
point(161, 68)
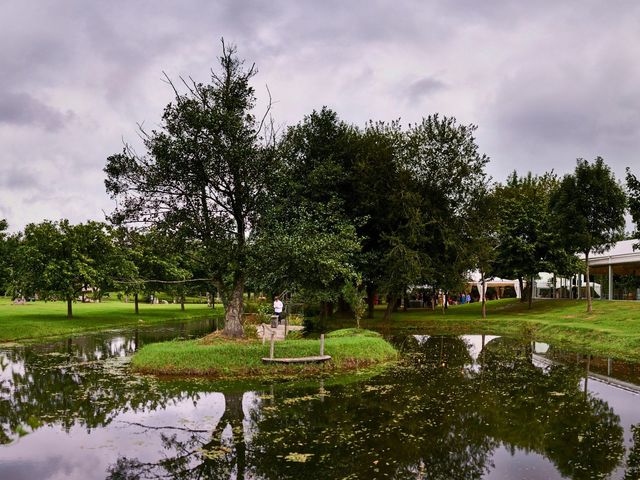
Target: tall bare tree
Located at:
point(203, 175)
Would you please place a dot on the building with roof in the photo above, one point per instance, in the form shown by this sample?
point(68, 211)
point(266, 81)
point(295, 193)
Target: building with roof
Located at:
point(618, 271)
point(614, 275)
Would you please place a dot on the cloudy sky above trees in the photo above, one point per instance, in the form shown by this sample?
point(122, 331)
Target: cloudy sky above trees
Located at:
point(545, 82)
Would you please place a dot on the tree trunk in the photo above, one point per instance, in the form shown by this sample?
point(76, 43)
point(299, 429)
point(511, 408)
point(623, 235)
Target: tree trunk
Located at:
point(135, 303)
point(233, 416)
point(233, 314)
point(484, 297)
point(371, 293)
point(521, 283)
point(531, 292)
point(182, 302)
point(69, 307)
point(586, 262)
point(391, 303)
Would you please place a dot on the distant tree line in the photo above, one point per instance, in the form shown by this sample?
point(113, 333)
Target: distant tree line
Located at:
point(325, 209)
point(61, 261)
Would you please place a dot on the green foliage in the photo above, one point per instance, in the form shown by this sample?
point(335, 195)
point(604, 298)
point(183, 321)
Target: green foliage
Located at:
point(60, 260)
point(588, 211)
point(295, 319)
point(264, 310)
point(161, 263)
point(314, 324)
point(305, 241)
point(353, 294)
point(204, 176)
point(633, 192)
point(251, 307)
point(588, 208)
point(4, 257)
point(377, 183)
point(449, 171)
point(310, 252)
point(525, 234)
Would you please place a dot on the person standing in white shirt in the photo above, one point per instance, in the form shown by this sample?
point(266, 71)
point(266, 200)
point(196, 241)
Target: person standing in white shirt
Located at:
point(277, 308)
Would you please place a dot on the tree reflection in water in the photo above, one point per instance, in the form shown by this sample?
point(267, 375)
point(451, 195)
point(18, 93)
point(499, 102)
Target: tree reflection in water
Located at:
point(633, 461)
point(431, 417)
point(47, 389)
point(68, 382)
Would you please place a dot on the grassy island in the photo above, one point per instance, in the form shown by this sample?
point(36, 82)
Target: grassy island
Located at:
point(224, 358)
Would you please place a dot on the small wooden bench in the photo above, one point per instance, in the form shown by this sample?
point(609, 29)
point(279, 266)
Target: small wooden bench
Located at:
point(316, 359)
point(312, 359)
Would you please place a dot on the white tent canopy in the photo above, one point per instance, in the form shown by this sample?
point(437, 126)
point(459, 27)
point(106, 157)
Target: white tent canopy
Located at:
point(494, 282)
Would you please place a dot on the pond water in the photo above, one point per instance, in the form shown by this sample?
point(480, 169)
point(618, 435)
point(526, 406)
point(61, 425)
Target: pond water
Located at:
point(463, 407)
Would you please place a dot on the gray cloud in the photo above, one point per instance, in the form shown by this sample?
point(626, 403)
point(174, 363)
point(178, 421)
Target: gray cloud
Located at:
point(423, 87)
point(545, 82)
point(15, 178)
point(23, 109)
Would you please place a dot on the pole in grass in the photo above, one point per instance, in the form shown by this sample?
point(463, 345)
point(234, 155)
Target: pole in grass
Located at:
point(273, 342)
point(321, 344)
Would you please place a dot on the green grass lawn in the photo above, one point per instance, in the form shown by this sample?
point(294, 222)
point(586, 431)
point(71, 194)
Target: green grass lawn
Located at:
point(612, 329)
point(225, 359)
point(36, 320)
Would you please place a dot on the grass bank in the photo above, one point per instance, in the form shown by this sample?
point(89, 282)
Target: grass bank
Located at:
point(612, 329)
point(38, 320)
point(222, 358)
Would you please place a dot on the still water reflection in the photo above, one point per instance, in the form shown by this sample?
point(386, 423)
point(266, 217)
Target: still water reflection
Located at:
point(465, 407)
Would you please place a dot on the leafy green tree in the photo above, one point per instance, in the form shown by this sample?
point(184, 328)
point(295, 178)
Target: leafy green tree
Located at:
point(379, 180)
point(157, 264)
point(403, 191)
point(4, 256)
point(633, 191)
point(108, 258)
point(448, 173)
point(61, 260)
point(306, 240)
point(482, 238)
point(307, 254)
point(527, 243)
point(588, 211)
point(204, 176)
point(353, 293)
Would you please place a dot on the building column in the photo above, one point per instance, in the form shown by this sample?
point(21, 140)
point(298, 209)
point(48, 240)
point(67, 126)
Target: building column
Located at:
point(610, 282)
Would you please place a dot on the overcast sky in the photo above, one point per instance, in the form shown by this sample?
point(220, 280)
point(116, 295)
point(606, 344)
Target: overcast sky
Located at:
point(546, 82)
